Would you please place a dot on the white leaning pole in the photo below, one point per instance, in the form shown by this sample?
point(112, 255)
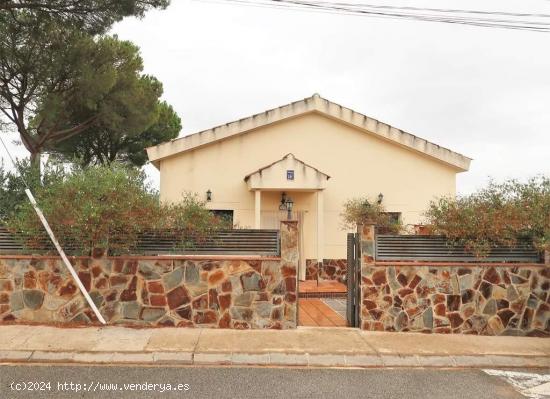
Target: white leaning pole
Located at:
point(64, 257)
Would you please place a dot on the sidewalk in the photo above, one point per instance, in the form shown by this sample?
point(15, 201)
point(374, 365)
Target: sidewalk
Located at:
point(305, 346)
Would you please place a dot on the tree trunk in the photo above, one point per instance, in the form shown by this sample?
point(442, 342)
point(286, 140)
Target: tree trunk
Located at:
point(35, 163)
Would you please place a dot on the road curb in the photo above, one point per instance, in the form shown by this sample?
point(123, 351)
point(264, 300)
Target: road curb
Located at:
point(274, 359)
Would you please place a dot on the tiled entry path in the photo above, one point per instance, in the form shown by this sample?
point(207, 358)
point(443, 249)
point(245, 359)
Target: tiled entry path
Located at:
point(322, 304)
point(313, 312)
point(339, 305)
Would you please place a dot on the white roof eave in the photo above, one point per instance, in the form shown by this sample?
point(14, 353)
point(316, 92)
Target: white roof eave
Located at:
point(308, 105)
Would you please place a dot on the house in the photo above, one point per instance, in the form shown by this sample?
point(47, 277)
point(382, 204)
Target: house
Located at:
point(316, 153)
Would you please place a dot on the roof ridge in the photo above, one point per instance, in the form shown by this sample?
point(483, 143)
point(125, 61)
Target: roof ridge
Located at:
point(243, 118)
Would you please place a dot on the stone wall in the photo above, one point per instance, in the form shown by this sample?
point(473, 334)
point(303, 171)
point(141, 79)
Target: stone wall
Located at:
point(162, 291)
point(330, 269)
point(462, 298)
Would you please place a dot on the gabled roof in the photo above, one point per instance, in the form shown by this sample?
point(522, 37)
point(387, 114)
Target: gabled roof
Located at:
point(275, 176)
point(313, 104)
point(289, 155)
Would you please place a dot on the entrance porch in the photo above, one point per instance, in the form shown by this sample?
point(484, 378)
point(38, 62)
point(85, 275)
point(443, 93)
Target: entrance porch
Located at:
point(291, 189)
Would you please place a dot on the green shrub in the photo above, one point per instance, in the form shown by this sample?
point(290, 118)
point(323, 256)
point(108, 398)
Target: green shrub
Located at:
point(106, 208)
point(12, 186)
point(498, 215)
point(364, 211)
point(92, 208)
point(189, 220)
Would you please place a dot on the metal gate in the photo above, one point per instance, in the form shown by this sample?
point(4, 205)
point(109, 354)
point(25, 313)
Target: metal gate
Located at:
point(353, 277)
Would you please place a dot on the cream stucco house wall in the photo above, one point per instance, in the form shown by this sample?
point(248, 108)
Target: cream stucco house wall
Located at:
point(334, 154)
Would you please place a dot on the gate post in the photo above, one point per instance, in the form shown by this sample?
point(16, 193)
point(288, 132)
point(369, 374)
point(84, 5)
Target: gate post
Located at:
point(350, 279)
point(366, 258)
point(289, 260)
point(368, 243)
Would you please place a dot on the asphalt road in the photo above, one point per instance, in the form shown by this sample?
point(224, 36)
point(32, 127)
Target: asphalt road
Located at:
point(207, 382)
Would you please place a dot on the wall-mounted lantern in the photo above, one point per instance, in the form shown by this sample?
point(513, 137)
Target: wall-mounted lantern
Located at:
point(380, 198)
point(282, 205)
point(209, 195)
point(286, 205)
point(289, 206)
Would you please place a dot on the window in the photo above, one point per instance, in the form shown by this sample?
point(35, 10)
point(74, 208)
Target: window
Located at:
point(225, 214)
point(290, 175)
point(395, 218)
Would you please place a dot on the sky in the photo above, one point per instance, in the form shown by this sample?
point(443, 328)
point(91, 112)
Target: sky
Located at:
point(484, 93)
